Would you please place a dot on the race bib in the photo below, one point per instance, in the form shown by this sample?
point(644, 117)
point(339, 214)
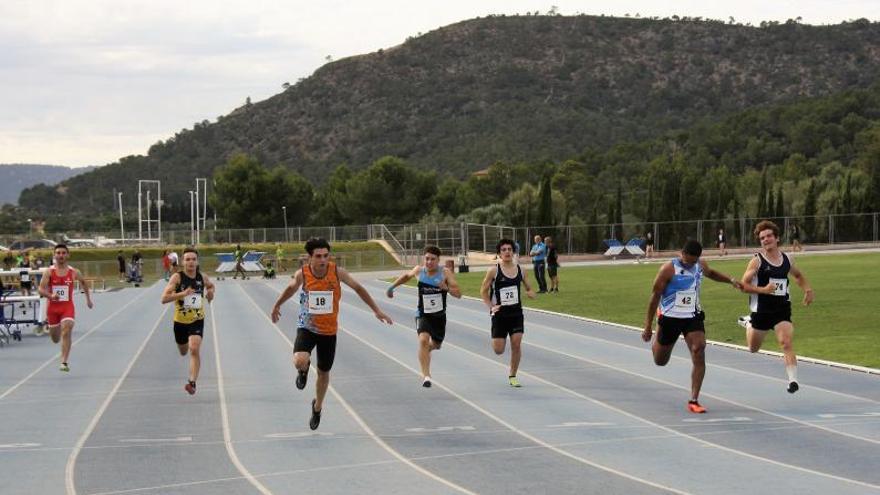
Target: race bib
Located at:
point(193, 301)
point(320, 302)
point(686, 301)
point(509, 296)
point(62, 293)
point(432, 303)
point(25, 277)
point(780, 286)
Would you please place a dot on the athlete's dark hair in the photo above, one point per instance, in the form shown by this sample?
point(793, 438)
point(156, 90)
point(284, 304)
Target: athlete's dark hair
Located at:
point(693, 248)
point(190, 250)
point(316, 243)
point(764, 225)
point(61, 246)
point(503, 242)
point(433, 250)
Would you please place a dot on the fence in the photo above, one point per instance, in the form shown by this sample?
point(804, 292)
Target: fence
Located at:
point(408, 240)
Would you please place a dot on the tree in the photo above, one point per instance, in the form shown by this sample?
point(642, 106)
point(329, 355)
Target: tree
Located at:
point(389, 191)
point(545, 203)
point(332, 199)
point(780, 207)
point(810, 210)
point(762, 195)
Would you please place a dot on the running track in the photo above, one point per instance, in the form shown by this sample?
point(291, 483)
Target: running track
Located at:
point(594, 414)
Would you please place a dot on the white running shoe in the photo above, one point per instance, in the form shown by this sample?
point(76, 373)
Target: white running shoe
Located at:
point(744, 321)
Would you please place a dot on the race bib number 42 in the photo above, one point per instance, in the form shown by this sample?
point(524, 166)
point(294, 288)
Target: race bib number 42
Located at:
point(432, 303)
point(320, 302)
point(509, 296)
point(61, 292)
point(686, 301)
point(780, 286)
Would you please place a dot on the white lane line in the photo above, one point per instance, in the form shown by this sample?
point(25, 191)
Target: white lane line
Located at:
point(299, 434)
point(679, 358)
point(646, 421)
point(735, 419)
point(19, 445)
point(668, 383)
point(224, 414)
point(71, 459)
point(510, 426)
point(439, 429)
point(156, 440)
point(75, 342)
point(859, 415)
point(357, 418)
point(574, 424)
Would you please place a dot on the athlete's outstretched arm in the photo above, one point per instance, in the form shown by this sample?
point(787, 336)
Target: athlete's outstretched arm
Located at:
point(209, 288)
point(746, 281)
point(168, 295)
point(402, 280)
point(664, 275)
point(484, 289)
point(451, 284)
point(527, 285)
point(348, 280)
point(295, 282)
point(43, 288)
point(720, 277)
point(85, 287)
point(802, 283)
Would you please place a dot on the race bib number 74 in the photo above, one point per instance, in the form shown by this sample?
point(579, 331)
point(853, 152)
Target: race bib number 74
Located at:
point(780, 286)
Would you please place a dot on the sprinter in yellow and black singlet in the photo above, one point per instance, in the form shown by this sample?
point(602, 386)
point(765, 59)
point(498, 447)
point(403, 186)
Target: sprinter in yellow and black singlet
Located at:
point(318, 319)
point(188, 290)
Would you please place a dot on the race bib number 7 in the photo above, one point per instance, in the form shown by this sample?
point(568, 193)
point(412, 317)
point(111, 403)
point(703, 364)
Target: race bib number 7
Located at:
point(193, 301)
point(61, 292)
point(780, 286)
point(509, 296)
point(320, 302)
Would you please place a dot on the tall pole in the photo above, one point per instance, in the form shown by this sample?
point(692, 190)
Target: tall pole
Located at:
point(149, 224)
point(121, 225)
point(286, 236)
point(197, 211)
point(140, 215)
point(192, 219)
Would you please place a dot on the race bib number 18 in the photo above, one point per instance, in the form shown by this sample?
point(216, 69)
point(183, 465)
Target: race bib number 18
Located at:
point(320, 302)
point(61, 292)
point(509, 296)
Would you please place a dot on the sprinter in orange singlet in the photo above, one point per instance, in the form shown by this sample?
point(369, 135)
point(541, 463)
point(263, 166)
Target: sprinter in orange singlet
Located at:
point(318, 317)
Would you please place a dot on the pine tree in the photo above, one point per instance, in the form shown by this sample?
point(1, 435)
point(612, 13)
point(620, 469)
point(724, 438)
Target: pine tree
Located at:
point(762, 195)
point(545, 202)
point(810, 210)
point(771, 204)
point(780, 207)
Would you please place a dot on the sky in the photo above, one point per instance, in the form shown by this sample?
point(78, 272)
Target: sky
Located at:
point(86, 82)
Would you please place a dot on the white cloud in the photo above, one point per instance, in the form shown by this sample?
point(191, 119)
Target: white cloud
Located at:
point(86, 82)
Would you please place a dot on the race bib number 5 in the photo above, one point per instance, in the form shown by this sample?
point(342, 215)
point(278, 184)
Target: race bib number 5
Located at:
point(686, 300)
point(509, 296)
point(780, 286)
point(61, 292)
point(320, 302)
point(432, 303)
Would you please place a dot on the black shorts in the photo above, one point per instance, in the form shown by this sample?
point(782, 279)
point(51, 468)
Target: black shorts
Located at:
point(670, 328)
point(434, 325)
point(551, 270)
point(768, 321)
point(503, 325)
point(26, 285)
point(182, 331)
point(306, 340)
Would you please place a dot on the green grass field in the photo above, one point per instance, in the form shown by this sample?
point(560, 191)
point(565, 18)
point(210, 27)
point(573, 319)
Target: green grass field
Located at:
point(838, 326)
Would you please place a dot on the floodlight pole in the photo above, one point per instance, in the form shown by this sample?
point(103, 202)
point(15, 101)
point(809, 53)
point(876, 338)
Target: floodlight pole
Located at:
point(121, 225)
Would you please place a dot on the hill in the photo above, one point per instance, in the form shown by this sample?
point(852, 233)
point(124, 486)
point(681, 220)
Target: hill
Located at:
point(523, 88)
point(16, 177)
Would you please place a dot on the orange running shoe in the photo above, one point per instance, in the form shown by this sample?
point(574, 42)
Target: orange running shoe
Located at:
point(695, 407)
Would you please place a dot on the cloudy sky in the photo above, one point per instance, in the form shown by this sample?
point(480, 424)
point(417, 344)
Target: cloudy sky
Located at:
point(85, 82)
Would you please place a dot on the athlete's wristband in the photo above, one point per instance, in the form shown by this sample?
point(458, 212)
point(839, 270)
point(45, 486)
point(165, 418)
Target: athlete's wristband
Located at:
point(389, 290)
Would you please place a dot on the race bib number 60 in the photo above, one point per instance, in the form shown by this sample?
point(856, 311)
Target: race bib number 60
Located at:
point(320, 302)
point(509, 296)
point(61, 292)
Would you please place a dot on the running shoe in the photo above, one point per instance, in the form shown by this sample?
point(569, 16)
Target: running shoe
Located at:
point(695, 407)
point(190, 387)
point(301, 377)
point(514, 382)
point(744, 321)
point(793, 387)
point(427, 382)
point(64, 367)
point(316, 417)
